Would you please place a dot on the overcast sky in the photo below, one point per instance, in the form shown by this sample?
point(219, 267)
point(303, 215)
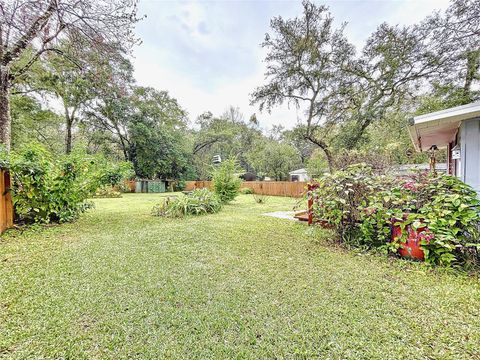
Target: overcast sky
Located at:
point(207, 53)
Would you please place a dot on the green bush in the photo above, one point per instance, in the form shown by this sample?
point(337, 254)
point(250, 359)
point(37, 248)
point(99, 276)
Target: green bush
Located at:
point(179, 185)
point(114, 174)
point(340, 197)
point(362, 207)
point(107, 192)
point(49, 188)
point(247, 191)
point(448, 207)
point(226, 183)
point(197, 202)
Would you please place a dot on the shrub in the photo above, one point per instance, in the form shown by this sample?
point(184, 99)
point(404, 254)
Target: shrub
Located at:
point(362, 207)
point(55, 189)
point(103, 172)
point(339, 197)
point(226, 184)
point(247, 191)
point(114, 174)
point(450, 210)
point(47, 189)
point(179, 185)
point(197, 202)
point(376, 161)
point(107, 192)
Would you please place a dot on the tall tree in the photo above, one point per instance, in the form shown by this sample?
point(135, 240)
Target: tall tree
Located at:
point(156, 130)
point(274, 159)
point(455, 37)
point(296, 138)
point(71, 85)
point(311, 65)
point(31, 123)
point(148, 126)
point(34, 28)
point(228, 136)
point(109, 114)
point(305, 62)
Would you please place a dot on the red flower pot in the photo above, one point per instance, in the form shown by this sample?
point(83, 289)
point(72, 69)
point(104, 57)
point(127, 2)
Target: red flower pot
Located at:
point(411, 248)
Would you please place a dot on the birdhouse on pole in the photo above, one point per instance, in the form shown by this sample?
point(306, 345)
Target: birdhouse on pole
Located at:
point(217, 159)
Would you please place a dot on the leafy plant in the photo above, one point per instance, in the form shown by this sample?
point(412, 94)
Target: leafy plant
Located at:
point(247, 191)
point(339, 197)
point(47, 189)
point(107, 192)
point(114, 174)
point(451, 213)
point(362, 207)
point(226, 183)
point(55, 189)
point(197, 202)
point(445, 209)
point(179, 185)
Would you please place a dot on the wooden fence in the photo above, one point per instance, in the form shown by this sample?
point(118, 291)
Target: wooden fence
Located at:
point(6, 206)
point(275, 188)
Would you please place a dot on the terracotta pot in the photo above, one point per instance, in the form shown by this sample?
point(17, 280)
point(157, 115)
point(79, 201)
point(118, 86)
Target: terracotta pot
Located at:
point(411, 248)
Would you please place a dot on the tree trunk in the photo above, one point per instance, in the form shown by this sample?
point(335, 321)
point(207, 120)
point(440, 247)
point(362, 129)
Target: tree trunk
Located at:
point(322, 145)
point(68, 134)
point(5, 120)
point(122, 142)
point(331, 163)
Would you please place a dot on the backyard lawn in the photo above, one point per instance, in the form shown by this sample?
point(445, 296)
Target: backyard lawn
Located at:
point(120, 283)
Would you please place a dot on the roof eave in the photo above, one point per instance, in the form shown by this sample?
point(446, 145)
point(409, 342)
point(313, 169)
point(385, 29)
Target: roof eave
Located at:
point(458, 113)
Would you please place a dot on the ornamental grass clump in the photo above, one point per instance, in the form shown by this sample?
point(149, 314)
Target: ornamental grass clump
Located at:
point(260, 198)
point(197, 202)
point(247, 191)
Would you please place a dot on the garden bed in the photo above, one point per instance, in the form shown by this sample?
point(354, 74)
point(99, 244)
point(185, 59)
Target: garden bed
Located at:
point(440, 215)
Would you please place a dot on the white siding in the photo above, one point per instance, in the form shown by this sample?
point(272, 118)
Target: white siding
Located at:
point(470, 153)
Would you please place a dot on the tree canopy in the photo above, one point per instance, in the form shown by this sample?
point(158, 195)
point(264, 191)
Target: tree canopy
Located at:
point(67, 81)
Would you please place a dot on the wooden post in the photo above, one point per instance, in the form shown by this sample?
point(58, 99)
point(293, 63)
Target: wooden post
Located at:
point(6, 205)
point(310, 189)
point(311, 199)
point(433, 160)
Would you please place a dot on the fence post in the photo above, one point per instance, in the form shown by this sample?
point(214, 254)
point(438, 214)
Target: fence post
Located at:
point(310, 203)
point(310, 188)
point(6, 205)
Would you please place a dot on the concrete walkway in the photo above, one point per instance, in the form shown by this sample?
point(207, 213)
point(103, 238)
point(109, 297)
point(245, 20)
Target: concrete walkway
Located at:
point(288, 215)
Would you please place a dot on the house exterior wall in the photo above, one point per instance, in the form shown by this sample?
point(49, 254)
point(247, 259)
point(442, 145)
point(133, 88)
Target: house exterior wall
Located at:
point(470, 153)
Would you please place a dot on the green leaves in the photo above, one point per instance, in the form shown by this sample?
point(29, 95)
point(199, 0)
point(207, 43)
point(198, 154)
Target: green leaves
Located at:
point(363, 207)
point(48, 189)
point(198, 202)
point(226, 183)
point(274, 159)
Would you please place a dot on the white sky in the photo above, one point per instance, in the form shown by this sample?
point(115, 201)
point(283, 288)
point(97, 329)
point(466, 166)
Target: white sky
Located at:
point(207, 53)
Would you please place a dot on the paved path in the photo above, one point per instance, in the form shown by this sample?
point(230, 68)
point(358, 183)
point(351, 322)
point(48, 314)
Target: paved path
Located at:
point(289, 215)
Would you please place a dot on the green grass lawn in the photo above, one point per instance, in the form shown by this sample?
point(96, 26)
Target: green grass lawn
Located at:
point(120, 283)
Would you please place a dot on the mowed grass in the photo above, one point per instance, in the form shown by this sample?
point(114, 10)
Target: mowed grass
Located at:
point(120, 283)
